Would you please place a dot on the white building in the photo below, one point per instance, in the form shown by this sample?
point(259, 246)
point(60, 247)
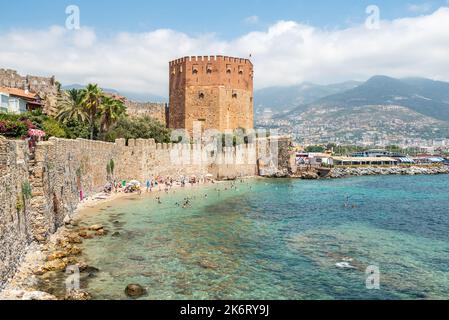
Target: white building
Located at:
point(14, 100)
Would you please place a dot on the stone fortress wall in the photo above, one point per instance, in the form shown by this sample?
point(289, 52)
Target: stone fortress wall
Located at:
point(45, 87)
point(215, 90)
point(38, 190)
point(156, 111)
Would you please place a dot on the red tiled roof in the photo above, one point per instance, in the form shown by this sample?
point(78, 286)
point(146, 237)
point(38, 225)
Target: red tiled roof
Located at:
point(19, 93)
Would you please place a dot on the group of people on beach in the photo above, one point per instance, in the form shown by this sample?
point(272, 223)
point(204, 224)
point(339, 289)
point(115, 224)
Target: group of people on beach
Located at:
point(153, 183)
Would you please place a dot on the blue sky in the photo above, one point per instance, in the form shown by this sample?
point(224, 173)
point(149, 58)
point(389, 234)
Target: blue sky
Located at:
point(127, 45)
point(227, 18)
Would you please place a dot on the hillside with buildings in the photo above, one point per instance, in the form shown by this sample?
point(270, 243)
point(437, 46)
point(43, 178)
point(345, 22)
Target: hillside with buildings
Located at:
point(381, 111)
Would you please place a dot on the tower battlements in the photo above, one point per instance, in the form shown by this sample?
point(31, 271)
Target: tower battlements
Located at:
point(183, 60)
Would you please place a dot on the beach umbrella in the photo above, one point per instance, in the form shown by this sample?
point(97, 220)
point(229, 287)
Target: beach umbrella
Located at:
point(134, 183)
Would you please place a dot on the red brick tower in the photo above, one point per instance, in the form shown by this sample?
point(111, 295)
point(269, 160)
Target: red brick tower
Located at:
point(216, 90)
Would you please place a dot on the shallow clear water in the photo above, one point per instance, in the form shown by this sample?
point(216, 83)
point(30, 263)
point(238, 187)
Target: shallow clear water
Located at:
point(278, 239)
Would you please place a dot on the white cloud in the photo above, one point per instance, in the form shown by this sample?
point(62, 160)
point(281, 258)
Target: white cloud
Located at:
point(420, 8)
point(252, 20)
point(287, 53)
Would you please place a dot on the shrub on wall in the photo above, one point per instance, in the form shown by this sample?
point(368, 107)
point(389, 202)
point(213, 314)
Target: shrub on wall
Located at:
point(138, 128)
point(52, 128)
point(26, 190)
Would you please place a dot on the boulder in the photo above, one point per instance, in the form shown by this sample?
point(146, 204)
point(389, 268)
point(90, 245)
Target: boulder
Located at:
point(206, 264)
point(96, 227)
point(310, 175)
point(85, 235)
point(73, 251)
point(101, 232)
point(135, 291)
point(77, 295)
point(56, 255)
point(38, 295)
point(74, 238)
point(55, 265)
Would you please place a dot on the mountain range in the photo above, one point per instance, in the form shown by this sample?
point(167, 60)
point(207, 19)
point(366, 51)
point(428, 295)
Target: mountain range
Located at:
point(139, 97)
point(284, 99)
point(381, 109)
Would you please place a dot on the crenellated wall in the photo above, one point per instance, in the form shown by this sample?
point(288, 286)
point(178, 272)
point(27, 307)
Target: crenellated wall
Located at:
point(38, 190)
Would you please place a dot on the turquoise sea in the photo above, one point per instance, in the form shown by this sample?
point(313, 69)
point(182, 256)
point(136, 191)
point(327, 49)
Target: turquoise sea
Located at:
point(277, 239)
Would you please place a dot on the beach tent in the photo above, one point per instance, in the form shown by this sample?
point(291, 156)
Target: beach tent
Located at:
point(406, 160)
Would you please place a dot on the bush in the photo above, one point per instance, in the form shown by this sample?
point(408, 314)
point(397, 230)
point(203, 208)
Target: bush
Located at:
point(75, 129)
point(13, 128)
point(138, 128)
point(52, 128)
point(317, 149)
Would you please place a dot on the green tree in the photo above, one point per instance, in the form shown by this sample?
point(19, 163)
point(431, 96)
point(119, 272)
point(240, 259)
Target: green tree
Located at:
point(138, 128)
point(110, 111)
point(315, 149)
point(92, 98)
point(71, 107)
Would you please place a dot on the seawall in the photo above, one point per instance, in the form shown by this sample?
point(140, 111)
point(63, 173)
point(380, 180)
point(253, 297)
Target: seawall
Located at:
point(345, 172)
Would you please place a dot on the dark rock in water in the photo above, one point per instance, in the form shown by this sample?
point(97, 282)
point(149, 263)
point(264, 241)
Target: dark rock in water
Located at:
point(206, 264)
point(84, 267)
point(135, 291)
point(116, 234)
point(91, 270)
point(136, 258)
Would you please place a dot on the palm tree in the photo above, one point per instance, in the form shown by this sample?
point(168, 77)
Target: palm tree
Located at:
point(71, 106)
point(110, 110)
point(93, 96)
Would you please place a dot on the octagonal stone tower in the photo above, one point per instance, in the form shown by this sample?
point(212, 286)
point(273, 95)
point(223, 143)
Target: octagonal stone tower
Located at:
point(215, 90)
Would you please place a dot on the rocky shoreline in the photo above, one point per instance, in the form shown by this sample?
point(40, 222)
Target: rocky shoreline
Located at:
point(345, 172)
point(46, 262)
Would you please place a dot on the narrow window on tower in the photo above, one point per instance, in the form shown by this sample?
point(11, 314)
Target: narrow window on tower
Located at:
point(209, 69)
point(228, 69)
point(201, 95)
point(195, 70)
point(241, 70)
